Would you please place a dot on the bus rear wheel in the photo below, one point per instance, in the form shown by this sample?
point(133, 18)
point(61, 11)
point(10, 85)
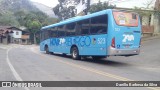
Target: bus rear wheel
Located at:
point(75, 53)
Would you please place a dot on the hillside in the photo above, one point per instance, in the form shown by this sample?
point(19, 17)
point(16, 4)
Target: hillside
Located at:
point(18, 12)
point(45, 9)
point(12, 6)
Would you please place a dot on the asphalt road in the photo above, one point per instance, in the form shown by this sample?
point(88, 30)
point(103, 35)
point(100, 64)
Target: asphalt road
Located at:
point(27, 63)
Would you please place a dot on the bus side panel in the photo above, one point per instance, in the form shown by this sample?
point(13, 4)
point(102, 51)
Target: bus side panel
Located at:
point(60, 45)
point(42, 44)
point(65, 45)
point(87, 45)
point(94, 45)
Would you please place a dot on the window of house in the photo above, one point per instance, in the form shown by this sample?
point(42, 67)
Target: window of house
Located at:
point(99, 24)
point(17, 33)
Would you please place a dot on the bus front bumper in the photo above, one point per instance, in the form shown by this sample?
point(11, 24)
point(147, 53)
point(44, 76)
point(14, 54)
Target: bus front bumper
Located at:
point(122, 52)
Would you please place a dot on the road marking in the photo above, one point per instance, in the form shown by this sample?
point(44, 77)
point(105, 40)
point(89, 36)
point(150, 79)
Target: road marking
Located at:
point(16, 75)
point(87, 68)
point(92, 70)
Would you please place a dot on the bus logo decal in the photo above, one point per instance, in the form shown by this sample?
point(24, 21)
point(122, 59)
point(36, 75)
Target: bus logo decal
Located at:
point(62, 41)
point(128, 38)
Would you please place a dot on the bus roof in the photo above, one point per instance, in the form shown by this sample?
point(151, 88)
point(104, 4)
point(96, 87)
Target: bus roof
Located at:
point(78, 18)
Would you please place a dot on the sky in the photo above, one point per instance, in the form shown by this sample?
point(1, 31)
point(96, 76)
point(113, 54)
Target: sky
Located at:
point(119, 3)
point(50, 3)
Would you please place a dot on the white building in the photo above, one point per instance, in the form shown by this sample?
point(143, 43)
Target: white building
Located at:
point(10, 34)
point(16, 36)
point(19, 36)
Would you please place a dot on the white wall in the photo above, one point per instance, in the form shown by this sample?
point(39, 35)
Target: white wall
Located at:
point(14, 35)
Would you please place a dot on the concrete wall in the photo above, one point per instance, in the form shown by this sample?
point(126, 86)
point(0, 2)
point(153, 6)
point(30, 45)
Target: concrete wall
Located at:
point(5, 39)
point(156, 25)
point(150, 22)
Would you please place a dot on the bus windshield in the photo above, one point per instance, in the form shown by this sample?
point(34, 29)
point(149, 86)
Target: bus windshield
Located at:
point(126, 18)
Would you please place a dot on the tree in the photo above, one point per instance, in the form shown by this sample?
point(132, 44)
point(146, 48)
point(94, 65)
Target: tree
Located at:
point(34, 26)
point(49, 21)
point(100, 6)
point(32, 20)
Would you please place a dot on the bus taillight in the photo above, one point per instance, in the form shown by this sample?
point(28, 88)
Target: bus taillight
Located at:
point(113, 42)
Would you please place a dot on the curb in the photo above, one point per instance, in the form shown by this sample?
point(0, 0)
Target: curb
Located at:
point(150, 38)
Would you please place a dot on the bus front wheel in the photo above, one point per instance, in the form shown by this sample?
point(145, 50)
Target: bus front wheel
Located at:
point(46, 50)
point(75, 53)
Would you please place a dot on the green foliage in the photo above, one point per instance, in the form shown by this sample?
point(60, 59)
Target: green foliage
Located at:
point(7, 19)
point(49, 21)
point(20, 16)
point(100, 6)
point(23, 13)
point(34, 26)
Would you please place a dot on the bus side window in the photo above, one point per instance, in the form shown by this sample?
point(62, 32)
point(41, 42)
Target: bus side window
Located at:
point(70, 29)
point(78, 28)
point(85, 27)
point(99, 24)
point(46, 34)
point(61, 31)
point(53, 32)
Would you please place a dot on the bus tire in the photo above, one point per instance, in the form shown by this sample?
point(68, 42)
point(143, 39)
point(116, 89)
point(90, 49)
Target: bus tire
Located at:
point(75, 53)
point(98, 57)
point(46, 49)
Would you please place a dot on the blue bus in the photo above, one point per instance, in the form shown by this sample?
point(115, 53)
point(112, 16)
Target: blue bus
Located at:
point(105, 33)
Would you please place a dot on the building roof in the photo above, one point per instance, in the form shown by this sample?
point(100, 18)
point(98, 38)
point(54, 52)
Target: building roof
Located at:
point(5, 30)
point(10, 28)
